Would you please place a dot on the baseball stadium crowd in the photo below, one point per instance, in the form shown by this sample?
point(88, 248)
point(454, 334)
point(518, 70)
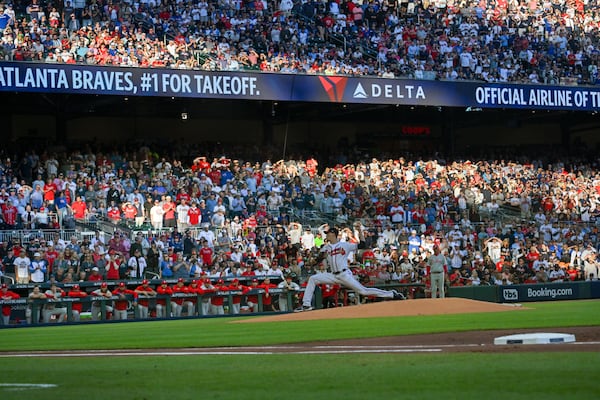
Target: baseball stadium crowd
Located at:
point(523, 41)
point(226, 216)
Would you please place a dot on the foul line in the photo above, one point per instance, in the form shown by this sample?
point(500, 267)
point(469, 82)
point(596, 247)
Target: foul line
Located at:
point(208, 352)
point(257, 350)
point(17, 387)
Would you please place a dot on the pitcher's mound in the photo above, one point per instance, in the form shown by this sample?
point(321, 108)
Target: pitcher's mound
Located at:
point(394, 309)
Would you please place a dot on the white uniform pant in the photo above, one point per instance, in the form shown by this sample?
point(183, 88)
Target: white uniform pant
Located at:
point(190, 309)
point(96, 311)
point(345, 279)
point(283, 303)
point(235, 308)
point(178, 308)
point(217, 310)
point(205, 307)
point(437, 283)
point(120, 314)
point(253, 306)
point(75, 315)
point(5, 319)
point(161, 311)
point(60, 312)
point(36, 317)
point(143, 311)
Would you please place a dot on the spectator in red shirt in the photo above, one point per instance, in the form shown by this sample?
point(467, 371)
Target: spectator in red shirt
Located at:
point(206, 254)
point(9, 214)
point(194, 215)
point(95, 276)
point(114, 214)
point(79, 208)
point(129, 212)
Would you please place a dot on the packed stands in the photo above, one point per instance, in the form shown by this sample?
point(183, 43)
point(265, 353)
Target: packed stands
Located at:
point(550, 42)
point(261, 208)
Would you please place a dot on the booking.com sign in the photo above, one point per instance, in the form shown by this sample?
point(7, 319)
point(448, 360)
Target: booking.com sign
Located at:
point(557, 291)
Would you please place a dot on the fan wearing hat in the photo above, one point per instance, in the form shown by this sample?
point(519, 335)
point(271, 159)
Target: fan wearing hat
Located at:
point(38, 268)
point(144, 292)
point(95, 276)
point(6, 294)
point(102, 293)
point(163, 291)
point(77, 306)
point(22, 264)
point(414, 242)
point(8, 261)
point(207, 235)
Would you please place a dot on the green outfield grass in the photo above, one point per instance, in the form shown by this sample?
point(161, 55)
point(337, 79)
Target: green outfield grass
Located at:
point(545, 376)
point(553, 375)
point(210, 332)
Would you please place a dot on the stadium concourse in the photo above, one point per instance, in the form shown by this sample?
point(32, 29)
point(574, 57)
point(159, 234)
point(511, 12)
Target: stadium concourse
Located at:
point(552, 41)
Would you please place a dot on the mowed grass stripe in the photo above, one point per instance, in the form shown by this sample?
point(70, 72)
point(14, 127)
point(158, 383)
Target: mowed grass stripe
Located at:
point(513, 376)
point(216, 332)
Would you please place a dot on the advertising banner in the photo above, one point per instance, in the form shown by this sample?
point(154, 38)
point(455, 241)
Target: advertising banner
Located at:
point(86, 79)
point(540, 292)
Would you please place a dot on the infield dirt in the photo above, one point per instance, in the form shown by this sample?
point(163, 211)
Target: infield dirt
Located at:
point(395, 309)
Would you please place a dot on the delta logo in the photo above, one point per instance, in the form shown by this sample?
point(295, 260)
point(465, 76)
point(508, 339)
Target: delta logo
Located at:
point(334, 87)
